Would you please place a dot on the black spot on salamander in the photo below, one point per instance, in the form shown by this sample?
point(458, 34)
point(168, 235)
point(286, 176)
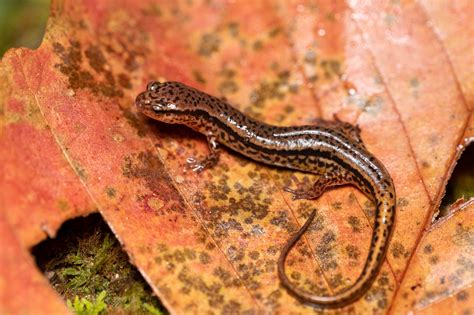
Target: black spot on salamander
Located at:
point(376, 225)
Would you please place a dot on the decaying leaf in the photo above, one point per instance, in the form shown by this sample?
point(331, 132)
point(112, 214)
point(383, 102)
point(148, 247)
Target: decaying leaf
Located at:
point(436, 273)
point(73, 143)
point(23, 290)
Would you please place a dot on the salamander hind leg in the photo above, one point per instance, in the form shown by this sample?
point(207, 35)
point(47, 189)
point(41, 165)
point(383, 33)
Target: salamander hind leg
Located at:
point(209, 161)
point(315, 190)
point(351, 131)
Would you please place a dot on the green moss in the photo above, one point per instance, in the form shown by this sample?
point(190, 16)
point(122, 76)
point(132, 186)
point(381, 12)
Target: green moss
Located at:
point(461, 183)
point(87, 266)
point(82, 306)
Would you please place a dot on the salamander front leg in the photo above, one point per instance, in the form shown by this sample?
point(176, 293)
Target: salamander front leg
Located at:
point(320, 185)
point(208, 161)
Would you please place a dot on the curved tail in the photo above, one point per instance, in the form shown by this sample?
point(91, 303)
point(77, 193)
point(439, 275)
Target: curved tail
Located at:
point(383, 226)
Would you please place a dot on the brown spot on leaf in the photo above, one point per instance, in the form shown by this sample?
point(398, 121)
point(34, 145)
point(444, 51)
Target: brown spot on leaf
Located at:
point(136, 122)
point(354, 222)
point(146, 166)
point(398, 250)
point(226, 277)
point(272, 250)
point(402, 202)
point(232, 307)
point(254, 254)
point(78, 77)
point(110, 191)
point(96, 58)
point(462, 296)
point(124, 81)
point(428, 249)
point(336, 205)
point(235, 254)
point(378, 293)
point(209, 44)
point(434, 260)
point(228, 87)
point(331, 67)
point(273, 90)
point(336, 281)
point(281, 220)
point(353, 252)
point(325, 251)
point(191, 281)
point(199, 77)
point(222, 228)
point(204, 258)
point(79, 170)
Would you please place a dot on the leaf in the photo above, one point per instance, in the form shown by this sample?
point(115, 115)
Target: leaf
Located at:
point(436, 273)
point(22, 288)
point(210, 242)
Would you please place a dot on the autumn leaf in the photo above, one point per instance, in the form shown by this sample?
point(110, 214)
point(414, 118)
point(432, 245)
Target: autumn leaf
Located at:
point(73, 143)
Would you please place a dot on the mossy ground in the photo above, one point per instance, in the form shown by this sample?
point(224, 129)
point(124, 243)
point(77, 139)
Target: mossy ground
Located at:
point(85, 260)
point(461, 183)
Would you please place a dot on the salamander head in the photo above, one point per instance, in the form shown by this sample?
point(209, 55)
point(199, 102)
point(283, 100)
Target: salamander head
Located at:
point(162, 101)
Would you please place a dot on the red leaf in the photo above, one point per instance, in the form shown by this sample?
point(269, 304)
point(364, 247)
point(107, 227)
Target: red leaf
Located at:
point(210, 242)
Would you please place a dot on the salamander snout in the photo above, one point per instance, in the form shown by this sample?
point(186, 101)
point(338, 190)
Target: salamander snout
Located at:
point(160, 99)
point(143, 100)
point(164, 101)
point(149, 98)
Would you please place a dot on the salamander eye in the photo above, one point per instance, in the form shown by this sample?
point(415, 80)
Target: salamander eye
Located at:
point(153, 86)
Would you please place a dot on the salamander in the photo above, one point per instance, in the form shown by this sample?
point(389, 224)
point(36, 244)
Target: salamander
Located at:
point(333, 150)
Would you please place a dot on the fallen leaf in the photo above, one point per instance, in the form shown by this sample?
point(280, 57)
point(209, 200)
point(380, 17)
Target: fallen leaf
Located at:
point(436, 273)
point(75, 144)
point(23, 290)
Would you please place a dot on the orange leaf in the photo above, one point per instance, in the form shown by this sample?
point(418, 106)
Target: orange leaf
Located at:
point(74, 143)
point(23, 290)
